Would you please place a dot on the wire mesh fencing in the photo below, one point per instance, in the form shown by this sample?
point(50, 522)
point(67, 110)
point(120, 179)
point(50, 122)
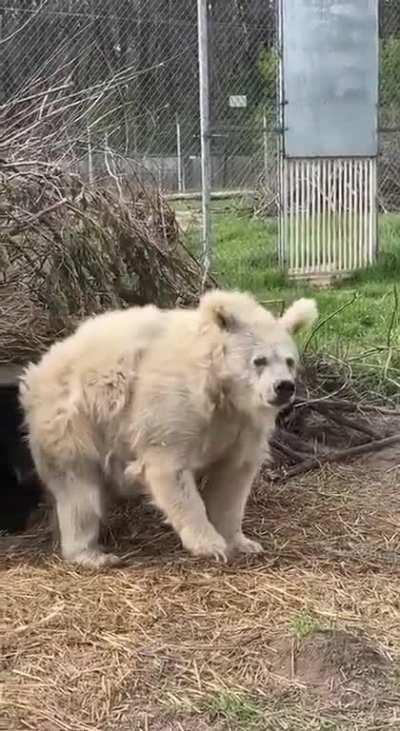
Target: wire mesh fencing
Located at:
point(111, 89)
point(389, 113)
point(110, 85)
point(87, 79)
point(243, 89)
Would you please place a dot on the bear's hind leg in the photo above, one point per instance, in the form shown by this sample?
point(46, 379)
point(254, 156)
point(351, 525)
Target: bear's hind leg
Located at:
point(79, 504)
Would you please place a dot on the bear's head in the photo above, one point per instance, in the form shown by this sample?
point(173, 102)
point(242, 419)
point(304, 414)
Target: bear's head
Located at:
point(259, 356)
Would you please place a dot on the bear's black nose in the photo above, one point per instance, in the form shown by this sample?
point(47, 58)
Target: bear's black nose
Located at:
point(284, 391)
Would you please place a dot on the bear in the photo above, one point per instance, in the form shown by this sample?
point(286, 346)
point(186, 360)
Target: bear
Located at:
point(20, 490)
point(179, 403)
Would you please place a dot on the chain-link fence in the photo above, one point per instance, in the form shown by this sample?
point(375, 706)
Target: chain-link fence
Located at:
point(108, 82)
point(112, 87)
point(243, 88)
point(389, 121)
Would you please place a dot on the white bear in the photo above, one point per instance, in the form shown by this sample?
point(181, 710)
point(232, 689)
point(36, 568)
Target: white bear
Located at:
point(164, 400)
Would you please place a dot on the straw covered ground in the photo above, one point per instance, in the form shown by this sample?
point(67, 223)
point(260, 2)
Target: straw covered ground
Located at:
point(305, 637)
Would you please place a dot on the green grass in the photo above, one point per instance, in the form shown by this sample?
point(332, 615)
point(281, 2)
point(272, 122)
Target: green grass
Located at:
point(242, 711)
point(237, 708)
point(302, 625)
point(245, 253)
point(368, 324)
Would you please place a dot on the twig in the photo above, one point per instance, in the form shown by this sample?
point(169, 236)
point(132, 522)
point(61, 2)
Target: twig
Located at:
point(346, 404)
point(288, 451)
point(21, 27)
point(341, 454)
point(393, 317)
point(19, 227)
point(328, 318)
point(299, 445)
point(343, 421)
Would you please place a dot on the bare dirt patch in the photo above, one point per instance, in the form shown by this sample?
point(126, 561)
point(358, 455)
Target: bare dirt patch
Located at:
point(332, 662)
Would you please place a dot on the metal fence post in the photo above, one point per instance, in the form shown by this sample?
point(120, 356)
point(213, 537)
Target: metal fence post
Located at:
point(90, 156)
point(181, 182)
point(265, 147)
point(204, 105)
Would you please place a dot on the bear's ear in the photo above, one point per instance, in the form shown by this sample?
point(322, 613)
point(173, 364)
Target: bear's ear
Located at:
point(218, 307)
point(301, 313)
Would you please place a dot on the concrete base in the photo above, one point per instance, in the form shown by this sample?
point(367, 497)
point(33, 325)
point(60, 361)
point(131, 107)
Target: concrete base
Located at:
point(320, 279)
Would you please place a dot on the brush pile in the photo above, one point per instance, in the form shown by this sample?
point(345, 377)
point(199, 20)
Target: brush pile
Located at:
point(333, 419)
point(68, 250)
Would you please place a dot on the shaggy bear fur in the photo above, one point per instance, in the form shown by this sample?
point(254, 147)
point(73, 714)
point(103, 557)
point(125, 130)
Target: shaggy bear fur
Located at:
point(161, 399)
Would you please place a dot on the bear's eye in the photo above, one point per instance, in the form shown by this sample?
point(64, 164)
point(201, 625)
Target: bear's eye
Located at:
point(260, 362)
point(290, 362)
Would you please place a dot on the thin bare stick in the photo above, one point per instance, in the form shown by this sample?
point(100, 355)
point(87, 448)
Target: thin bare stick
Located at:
point(350, 423)
point(347, 405)
point(341, 454)
point(328, 318)
point(288, 451)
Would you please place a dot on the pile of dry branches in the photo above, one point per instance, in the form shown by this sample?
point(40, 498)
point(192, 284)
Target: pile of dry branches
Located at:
point(68, 250)
point(331, 420)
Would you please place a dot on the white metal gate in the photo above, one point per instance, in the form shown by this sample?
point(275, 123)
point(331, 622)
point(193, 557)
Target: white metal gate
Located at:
point(329, 98)
point(328, 215)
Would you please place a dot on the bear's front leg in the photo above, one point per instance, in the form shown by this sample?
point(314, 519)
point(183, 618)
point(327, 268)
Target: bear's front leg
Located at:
point(225, 495)
point(174, 491)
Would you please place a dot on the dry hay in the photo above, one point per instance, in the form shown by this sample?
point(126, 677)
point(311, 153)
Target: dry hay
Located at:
point(68, 250)
point(169, 641)
point(305, 637)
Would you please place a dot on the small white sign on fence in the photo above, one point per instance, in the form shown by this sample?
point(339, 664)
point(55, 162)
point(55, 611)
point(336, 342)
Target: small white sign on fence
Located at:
point(238, 100)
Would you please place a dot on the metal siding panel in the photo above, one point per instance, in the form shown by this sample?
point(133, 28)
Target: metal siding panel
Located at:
point(330, 77)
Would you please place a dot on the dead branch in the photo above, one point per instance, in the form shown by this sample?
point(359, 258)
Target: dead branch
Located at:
point(347, 423)
point(328, 404)
point(341, 455)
